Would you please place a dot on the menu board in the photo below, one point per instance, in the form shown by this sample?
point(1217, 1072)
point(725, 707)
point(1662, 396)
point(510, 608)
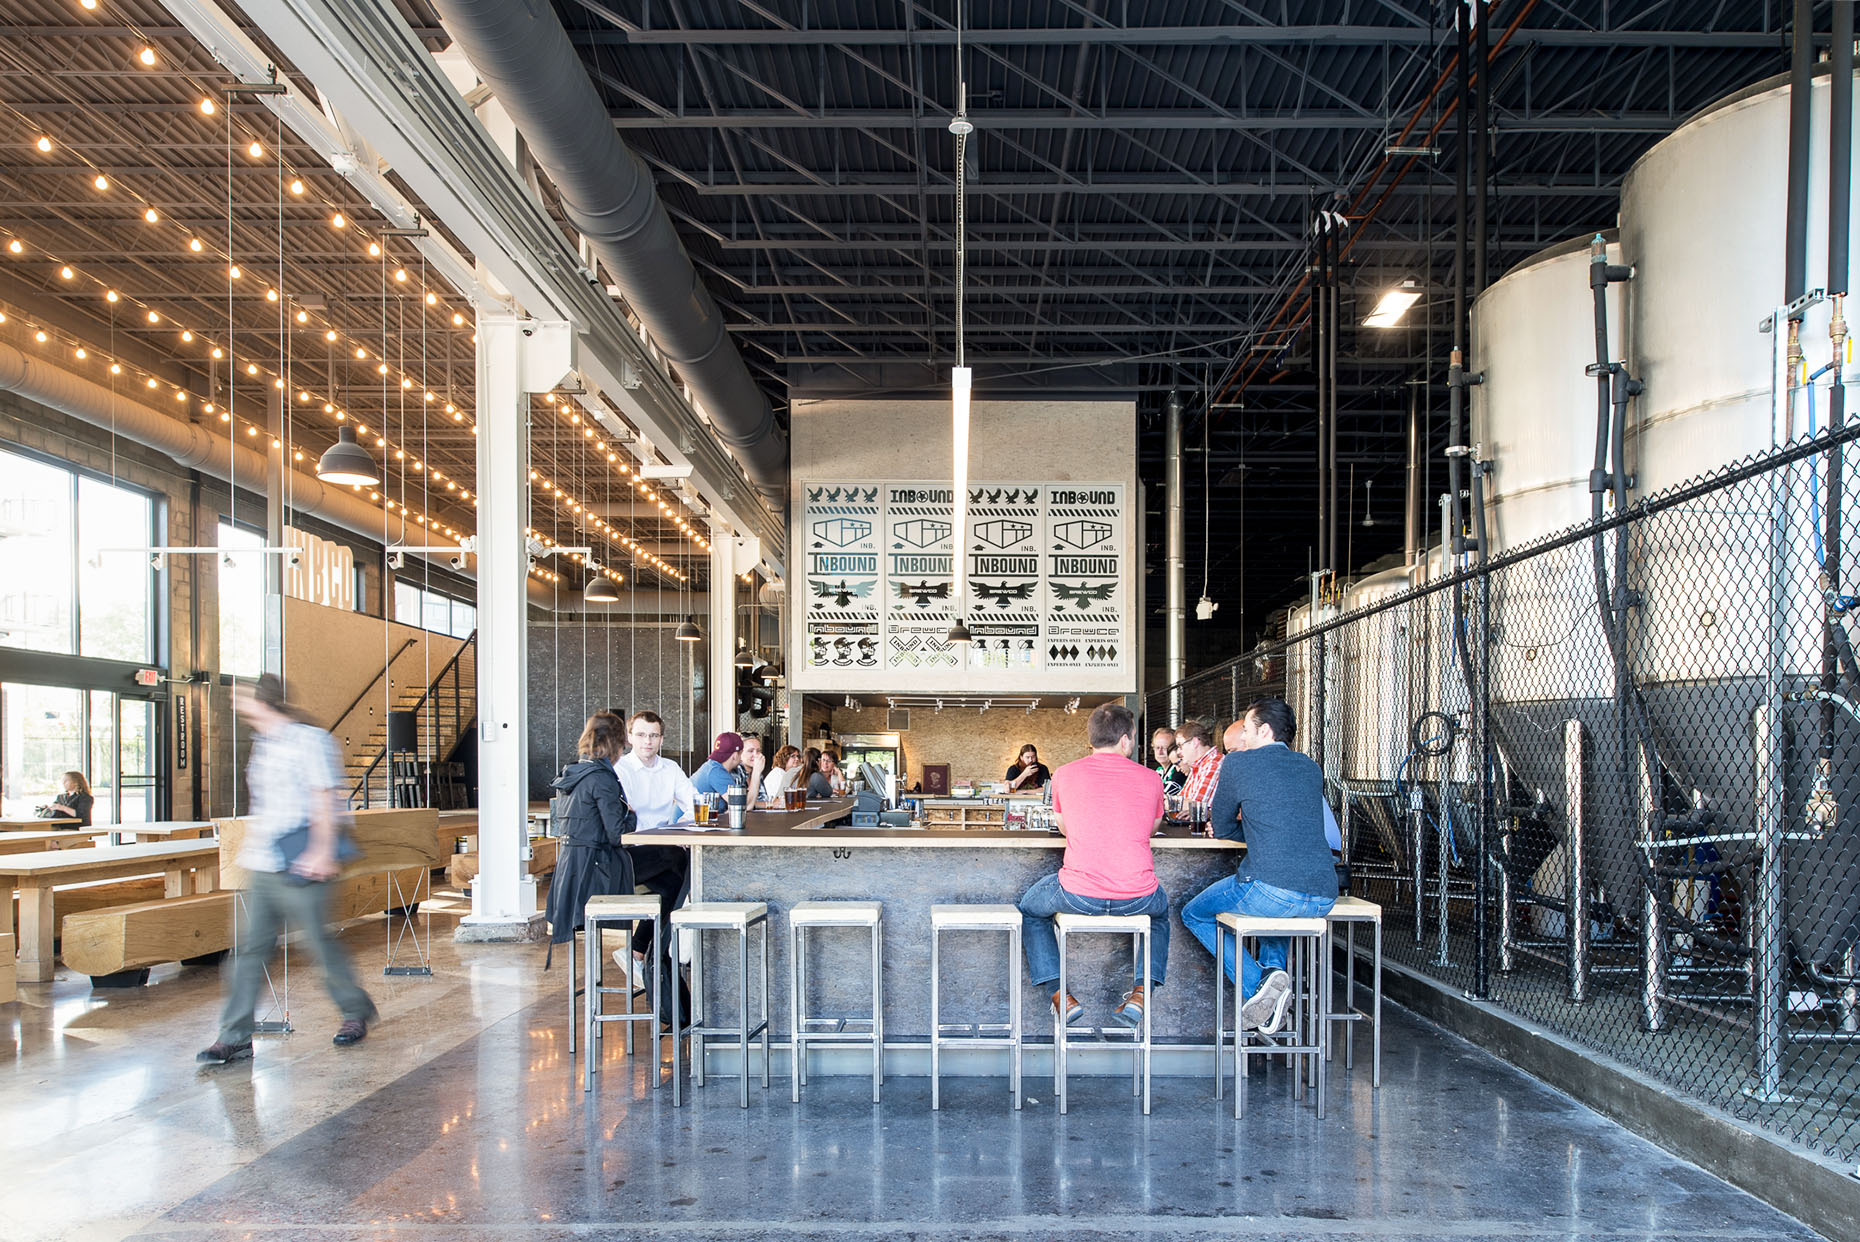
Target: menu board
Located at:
point(1048, 586)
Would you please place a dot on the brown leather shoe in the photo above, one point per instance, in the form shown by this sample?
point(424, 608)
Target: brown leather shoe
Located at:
point(1067, 1004)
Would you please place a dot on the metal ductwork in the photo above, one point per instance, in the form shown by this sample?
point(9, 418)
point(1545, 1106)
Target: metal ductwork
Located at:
point(519, 49)
point(189, 445)
point(1175, 611)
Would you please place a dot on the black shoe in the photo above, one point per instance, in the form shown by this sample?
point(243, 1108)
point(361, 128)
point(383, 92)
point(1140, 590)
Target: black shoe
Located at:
point(352, 1031)
point(217, 1053)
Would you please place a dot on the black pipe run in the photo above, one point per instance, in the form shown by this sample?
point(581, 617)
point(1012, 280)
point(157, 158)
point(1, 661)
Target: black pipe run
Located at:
point(1837, 653)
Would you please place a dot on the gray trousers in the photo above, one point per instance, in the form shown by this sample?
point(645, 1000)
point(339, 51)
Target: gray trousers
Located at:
point(272, 905)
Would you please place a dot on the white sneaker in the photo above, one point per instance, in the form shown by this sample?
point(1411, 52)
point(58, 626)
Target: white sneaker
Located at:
point(1265, 1009)
point(684, 947)
point(635, 969)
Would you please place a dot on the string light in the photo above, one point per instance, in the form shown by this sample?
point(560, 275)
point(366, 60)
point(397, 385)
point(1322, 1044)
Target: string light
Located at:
point(256, 151)
point(150, 216)
point(102, 182)
point(44, 144)
point(146, 56)
point(207, 108)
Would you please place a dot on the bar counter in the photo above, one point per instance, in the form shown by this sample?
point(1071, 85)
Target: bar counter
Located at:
point(787, 857)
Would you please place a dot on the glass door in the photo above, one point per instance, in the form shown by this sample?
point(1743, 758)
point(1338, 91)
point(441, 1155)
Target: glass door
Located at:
point(138, 786)
point(41, 738)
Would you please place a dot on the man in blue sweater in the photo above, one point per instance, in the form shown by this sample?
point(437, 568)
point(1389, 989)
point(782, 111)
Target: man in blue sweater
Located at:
point(1272, 797)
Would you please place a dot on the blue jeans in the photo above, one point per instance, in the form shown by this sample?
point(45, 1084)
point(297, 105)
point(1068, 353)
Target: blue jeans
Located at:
point(1249, 897)
point(1046, 898)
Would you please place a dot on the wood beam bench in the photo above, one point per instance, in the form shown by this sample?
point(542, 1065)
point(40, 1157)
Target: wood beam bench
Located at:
point(185, 867)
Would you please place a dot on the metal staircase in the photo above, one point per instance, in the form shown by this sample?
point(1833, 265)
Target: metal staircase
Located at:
point(446, 710)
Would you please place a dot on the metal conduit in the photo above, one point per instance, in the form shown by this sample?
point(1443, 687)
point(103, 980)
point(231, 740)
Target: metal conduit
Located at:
point(521, 51)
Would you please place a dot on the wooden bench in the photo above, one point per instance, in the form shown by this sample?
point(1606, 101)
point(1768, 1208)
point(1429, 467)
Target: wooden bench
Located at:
point(185, 867)
point(35, 842)
point(543, 852)
point(116, 945)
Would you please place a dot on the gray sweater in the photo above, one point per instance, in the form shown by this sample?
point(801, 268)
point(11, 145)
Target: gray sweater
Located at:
point(1272, 799)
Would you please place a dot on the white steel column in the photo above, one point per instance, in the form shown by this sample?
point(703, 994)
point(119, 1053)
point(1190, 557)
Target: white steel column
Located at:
point(722, 631)
point(503, 897)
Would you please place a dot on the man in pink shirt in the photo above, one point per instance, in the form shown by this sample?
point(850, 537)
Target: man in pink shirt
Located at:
point(1108, 806)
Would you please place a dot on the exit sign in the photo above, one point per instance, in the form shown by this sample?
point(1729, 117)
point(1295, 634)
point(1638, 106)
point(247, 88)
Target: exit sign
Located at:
point(148, 677)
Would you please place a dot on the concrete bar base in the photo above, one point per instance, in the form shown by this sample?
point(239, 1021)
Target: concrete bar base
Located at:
point(533, 930)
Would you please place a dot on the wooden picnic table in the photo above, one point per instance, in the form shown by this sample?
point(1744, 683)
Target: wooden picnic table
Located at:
point(164, 829)
point(34, 842)
point(28, 825)
point(185, 866)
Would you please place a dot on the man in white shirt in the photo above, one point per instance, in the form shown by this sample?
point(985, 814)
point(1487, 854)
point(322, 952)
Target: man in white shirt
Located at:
point(656, 788)
point(660, 794)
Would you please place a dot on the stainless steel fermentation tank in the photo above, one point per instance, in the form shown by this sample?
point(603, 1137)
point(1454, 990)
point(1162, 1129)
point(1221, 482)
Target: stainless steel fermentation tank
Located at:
point(1732, 615)
point(1534, 418)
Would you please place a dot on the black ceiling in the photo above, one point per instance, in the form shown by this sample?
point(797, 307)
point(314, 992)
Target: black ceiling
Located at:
point(1141, 186)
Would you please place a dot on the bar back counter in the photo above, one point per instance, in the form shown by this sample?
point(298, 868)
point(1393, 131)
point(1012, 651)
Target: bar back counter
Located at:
point(787, 857)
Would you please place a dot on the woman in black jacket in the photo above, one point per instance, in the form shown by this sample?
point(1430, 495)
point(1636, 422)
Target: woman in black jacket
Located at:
point(593, 859)
point(71, 809)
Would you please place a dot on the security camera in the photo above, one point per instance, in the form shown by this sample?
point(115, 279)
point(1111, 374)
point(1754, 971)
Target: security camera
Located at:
point(528, 331)
point(158, 562)
point(537, 548)
point(396, 560)
point(457, 562)
point(292, 558)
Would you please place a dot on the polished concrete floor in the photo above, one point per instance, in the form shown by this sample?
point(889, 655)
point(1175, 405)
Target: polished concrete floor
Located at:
point(462, 1116)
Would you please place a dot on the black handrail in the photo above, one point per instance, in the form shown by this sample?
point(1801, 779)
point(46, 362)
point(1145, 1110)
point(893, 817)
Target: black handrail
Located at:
point(385, 668)
point(451, 665)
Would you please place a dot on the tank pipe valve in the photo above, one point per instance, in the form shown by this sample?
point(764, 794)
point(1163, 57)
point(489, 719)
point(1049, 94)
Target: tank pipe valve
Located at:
point(1822, 813)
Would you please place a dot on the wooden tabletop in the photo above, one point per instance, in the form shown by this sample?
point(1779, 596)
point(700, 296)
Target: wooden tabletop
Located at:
point(29, 842)
point(70, 865)
point(157, 828)
point(31, 825)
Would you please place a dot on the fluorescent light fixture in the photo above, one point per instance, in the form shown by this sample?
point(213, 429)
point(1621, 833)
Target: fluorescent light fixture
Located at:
point(1393, 306)
point(960, 379)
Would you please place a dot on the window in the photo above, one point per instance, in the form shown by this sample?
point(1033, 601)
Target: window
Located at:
point(242, 601)
point(430, 610)
point(61, 590)
point(44, 731)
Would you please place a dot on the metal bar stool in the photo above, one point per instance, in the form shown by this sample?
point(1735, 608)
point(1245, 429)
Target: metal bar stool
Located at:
point(602, 911)
point(1305, 1039)
point(698, 917)
point(818, 1030)
point(1137, 927)
point(1349, 911)
point(951, 918)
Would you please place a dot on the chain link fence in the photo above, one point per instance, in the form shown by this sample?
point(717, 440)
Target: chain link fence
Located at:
point(1610, 782)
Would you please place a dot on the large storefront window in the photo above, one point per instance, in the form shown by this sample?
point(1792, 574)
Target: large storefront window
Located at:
point(46, 731)
point(242, 601)
point(63, 588)
point(430, 610)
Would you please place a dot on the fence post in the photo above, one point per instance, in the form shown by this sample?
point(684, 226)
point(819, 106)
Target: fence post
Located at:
point(1482, 819)
point(1576, 919)
point(1769, 947)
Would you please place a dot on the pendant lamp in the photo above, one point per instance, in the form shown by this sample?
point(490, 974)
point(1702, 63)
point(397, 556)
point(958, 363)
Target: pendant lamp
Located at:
point(599, 590)
point(689, 632)
point(348, 463)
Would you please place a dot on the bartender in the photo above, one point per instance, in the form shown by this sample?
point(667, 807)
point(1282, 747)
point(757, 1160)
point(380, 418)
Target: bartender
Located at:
point(1028, 773)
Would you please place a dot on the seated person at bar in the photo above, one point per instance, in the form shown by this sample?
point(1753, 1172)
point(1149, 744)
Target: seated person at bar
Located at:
point(1108, 806)
point(826, 780)
point(1269, 795)
point(751, 765)
point(1027, 772)
point(782, 773)
point(1162, 752)
point(1333, 835)
point(1202, 762)
point(656, 788)
point(717, 773)
point(71, 809)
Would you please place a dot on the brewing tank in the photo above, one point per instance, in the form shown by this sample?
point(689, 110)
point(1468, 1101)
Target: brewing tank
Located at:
point(1374, 693)
point(1731, 615)
point(1301, 684)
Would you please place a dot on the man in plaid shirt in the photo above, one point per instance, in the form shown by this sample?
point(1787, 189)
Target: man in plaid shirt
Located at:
point(1200, 761)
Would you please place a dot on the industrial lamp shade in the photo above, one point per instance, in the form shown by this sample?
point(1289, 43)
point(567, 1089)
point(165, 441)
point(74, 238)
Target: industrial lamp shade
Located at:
point(599, 590)
point(959, 633)
point(347, 462)
point(745, 658)
point(688, 632)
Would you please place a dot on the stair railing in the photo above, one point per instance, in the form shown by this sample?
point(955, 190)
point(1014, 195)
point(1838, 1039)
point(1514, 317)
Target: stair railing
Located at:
point(459, 721)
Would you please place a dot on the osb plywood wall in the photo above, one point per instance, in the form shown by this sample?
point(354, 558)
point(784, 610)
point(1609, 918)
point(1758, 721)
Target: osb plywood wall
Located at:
point(975, 745)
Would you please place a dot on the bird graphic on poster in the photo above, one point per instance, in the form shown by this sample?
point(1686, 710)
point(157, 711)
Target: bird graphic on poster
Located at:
point(1084, 596)
point(921, 593)
point(1004, 593)
point(840, 593)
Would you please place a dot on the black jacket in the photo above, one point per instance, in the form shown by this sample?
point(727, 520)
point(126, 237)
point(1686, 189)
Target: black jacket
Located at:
point(594, 819)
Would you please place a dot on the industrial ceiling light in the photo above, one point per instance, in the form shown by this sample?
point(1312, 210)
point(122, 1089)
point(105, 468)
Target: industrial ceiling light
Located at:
point(1205, 608)
point(689, 632)
point(1394, 305)
point(345, 461)
point(960, 377)
point(744, 658)
point(599, 590)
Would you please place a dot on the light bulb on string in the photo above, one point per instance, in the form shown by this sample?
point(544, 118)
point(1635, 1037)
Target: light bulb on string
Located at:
point(44, 144)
